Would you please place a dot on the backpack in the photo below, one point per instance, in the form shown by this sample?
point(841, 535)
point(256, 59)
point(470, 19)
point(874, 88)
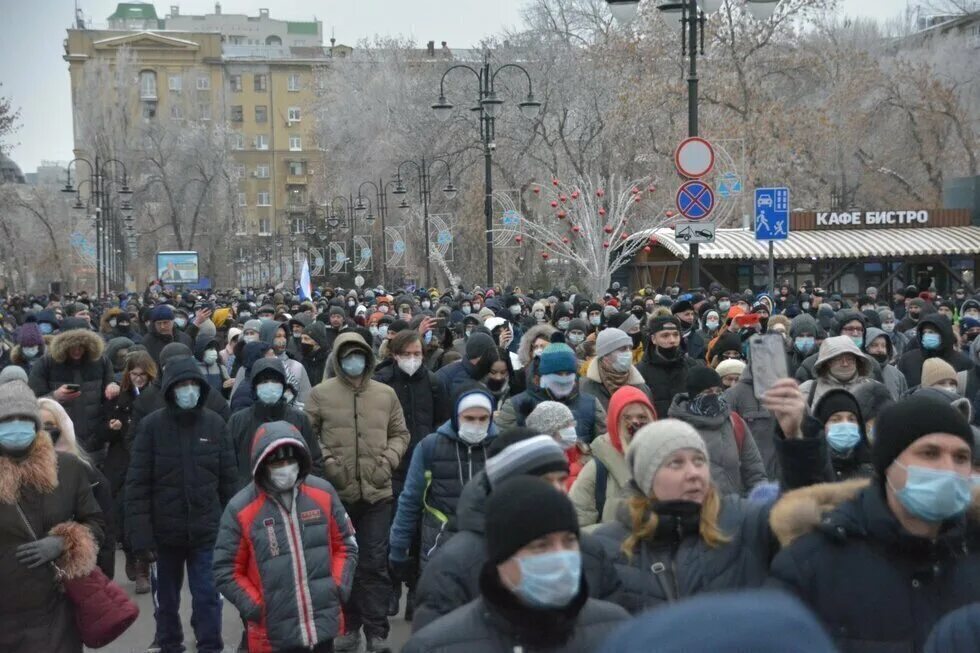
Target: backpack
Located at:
point(738, 424)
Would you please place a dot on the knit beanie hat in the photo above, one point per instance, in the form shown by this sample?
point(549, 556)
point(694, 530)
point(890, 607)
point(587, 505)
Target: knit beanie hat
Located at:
point(557, 357)
point(872, 398)
point(172, 351)
point(936, 370)
point(521, 510)
point(478, 344)
point(12, 373)
point(906, 421)
point(700, 379)
point(549, 416)
point(253, 325)
point(609, 340)
point(162, 312)
point(29, 335)
point(659, 324)
point(534, 456)
point(836, 401)
point(652, 445)
point(727, 341)
point(17, 400)
point(730, 366)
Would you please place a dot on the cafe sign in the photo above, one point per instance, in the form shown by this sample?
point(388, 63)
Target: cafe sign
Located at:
point(872, 218)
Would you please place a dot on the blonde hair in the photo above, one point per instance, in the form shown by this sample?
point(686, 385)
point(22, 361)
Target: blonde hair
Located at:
point(644, 521)
point(66, 442)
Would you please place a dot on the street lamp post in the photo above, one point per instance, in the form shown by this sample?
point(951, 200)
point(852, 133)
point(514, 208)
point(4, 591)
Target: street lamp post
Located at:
point(488, 105)
point(692, 19)
point(346, 216)
point(425, 194)
point(381, 193)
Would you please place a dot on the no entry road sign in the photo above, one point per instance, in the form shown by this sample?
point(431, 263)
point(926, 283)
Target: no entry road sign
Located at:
point(694, 157)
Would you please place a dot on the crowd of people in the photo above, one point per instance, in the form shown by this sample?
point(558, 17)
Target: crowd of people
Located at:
point(515, 469)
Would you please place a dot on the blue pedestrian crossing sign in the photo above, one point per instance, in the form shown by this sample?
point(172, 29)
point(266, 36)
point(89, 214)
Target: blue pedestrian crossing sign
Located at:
point(771, 213)
point(695, 200)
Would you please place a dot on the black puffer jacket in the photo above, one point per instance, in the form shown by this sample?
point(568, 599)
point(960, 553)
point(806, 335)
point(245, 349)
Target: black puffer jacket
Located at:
point(92, 373)
point(182, 470)
point(875, 587)
point(664, 376)
point(152, 400)
point(452, 577)
point(910, 364)
point(155, 342)
point(243, 424)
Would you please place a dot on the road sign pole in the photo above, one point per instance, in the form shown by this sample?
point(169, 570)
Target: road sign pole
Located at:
point(692, 116)
point(772, 271)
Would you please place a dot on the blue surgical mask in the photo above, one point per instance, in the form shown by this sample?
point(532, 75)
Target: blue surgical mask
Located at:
point(211, 356)
point(563, 323)
point(187, 396)
point(17, 434)
point(934, 495)
point(858, 341)
point(383, 330)
point(595, 320)
point(843, 437)
point(575, 339)
point(550, 580)
point(269, 392)
point(354, 364)
point(711, 324)
point(45, 328)
point(465, 309)
point(804, 344)
point(559, 385)
point(931, 341)
point(30, 352)
point(724, 306)
point(181, 322)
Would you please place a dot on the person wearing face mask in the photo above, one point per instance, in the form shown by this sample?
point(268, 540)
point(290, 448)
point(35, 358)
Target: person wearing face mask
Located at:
point(533, 343)
point(936, 340)
point(678, 535)
point(162, 331)
point(29, 347)
point(464, 329)
point(846, 434)
point(710, 323)
point(52, 489)
point(242, 395)
point(665, 366)
point(900, 548)
point(612, 368)
point(441, 465)
point(691, 341)
point(736, 464)
point(599, 488)
point(556, 379)
point(539, 312)
point(363, 437)
point(313, 345)
point(840, 364)
point(180, 452)
point(276, 335)
point(532, 594)
point(286, 534)
point(478, 348)
point(452, 578)
point(206, 353)
point(575, 335)
point(803, 331)
point(879, 346)
point(555, 419)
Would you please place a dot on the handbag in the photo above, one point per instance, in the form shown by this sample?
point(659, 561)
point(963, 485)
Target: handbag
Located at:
point(103, 612)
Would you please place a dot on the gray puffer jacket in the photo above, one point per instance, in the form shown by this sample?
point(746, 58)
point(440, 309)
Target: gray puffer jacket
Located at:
point(265, 541)
point(734, 469)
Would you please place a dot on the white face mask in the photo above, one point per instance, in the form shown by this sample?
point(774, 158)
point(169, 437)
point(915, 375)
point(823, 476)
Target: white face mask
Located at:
point(409, 364)
point(569, 437)
point(284, 478)
point(251, 338)
point(112, 323)
point(471, 434)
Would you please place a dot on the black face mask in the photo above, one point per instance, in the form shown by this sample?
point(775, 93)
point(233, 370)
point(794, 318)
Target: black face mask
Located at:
point(669, 353)
point(306, 348)
point(881, 358)
point(496, 385)
point(637, 338)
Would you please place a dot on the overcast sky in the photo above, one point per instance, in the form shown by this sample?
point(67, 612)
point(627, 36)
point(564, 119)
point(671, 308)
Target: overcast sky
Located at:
point(35, 76)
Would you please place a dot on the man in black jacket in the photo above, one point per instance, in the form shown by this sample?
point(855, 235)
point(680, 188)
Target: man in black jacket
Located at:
point(935, 339)
point(664, 366)
point(162, 331)
point(182, 473)
point(268, 385)
point(316, 350)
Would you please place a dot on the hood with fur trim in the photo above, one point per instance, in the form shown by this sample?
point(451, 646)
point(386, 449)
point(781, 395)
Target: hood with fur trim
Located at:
point(38, 470)
point(89, 340)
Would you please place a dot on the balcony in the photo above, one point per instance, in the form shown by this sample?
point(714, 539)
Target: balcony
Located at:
point(296, 180)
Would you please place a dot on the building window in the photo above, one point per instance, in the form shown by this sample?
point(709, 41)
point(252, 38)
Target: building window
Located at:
point(262, 142)
point(238, 142)
point(293, 82)
point(261, 83)
point(239, 169)
point(149, 110)
point(174, 83)
point(295, 144)
point(299, 225)
point(262, 171)
point(204, 111)
point(204, 83)
point(293, 114)
point(263, 198)
point(240, 230)
point(265, 226)
point(148, 85)
point(296, 169)
point(237, 114)
point(176, 112)
point(236, 83)
point(261, 113)
point(242, 199)
point(296, 196)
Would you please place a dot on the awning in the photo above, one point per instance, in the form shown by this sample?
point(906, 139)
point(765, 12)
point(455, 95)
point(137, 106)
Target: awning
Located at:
point(740, 244)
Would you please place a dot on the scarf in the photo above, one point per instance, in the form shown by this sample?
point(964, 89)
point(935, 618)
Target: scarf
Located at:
point(707, 405)
point(611, 379)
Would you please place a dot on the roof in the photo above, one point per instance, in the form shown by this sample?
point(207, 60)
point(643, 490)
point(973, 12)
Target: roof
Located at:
point(134, 10)
point(293, 27)
point(740, 244)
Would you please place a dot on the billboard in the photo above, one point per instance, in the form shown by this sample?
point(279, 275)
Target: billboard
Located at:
point(177, 267)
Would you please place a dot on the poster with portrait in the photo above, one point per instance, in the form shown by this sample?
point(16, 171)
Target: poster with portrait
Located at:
point(177, 267)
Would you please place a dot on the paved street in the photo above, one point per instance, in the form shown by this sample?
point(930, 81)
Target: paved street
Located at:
point(140, 634)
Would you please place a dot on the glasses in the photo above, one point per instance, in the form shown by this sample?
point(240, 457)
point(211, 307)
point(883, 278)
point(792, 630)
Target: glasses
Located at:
point(853, 330)
point(731, 356)
point(139, 375)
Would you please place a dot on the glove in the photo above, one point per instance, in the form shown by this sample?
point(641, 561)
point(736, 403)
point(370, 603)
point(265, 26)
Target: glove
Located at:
point(147, 555)
point(402, 570)
point(40, 552)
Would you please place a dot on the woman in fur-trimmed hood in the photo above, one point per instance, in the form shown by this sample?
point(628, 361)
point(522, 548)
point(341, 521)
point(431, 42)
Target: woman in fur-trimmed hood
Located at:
point(52, 490)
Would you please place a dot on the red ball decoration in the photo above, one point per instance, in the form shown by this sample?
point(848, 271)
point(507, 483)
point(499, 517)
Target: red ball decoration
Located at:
point(562, 215)
point(625, 236)
point(605, 244)
point(647, 249)
point(602, 211)
point(652, 189)
point(536, 190)
point(669, 214)
point(550, 243)
point(638, 197)
point(634, 190)
point(544, 255)
point(563, 198)
point(518, 239)
point(554, 182)
point(607, 229)
point(574, 194)
point(576, 228)
point(600, 193)
point(565, 240)
point(554, 204)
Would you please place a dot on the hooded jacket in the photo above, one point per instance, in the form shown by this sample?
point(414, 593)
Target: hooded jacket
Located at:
point(92, 373)
point(891, 377)
point(452, 578)
point(590, 418)
point(609, 452)
point(830, 349)
point(910, 365)
point(316, 362)
point(734, 470)
point(441, 465)
point(798, 326)
point(243, 424)
point(296, 374)
point(664, 376)
point(112, 348)
point(591, 383)
point(53, 490)
point(182, 470)
point(874, 586)
point(155, 342)
point(361, 428)
point(215, 373)
point(287, 569)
